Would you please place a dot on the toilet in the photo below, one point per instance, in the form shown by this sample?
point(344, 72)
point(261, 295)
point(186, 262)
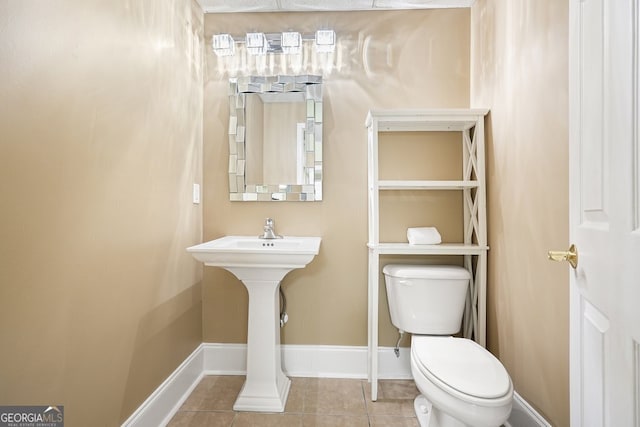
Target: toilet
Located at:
point(461, 383)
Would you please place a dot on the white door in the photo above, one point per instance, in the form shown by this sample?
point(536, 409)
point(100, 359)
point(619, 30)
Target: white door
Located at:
point(604, 213)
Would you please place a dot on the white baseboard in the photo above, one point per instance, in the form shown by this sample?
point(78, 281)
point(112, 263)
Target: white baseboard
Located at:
point(320, 361)
point(164, 402)
point(523, 414)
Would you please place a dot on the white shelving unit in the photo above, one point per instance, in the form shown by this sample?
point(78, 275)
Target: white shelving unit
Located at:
point(469, 123)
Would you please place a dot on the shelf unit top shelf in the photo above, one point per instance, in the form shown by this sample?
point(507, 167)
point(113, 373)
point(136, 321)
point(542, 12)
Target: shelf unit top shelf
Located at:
point(441, 249)
point(425, 120)
point(425, 185)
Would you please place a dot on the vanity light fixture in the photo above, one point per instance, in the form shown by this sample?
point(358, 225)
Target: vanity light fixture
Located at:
point(325, 40)
point(286, 42)
point(223, 44)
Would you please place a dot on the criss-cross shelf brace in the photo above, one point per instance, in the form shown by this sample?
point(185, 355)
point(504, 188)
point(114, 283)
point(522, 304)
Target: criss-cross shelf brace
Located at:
point(470, 124)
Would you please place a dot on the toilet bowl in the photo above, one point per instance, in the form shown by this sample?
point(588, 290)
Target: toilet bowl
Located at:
point(466, 385)
point(461, 383)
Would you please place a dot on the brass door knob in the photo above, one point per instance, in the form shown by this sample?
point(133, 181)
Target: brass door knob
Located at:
point(571, 255)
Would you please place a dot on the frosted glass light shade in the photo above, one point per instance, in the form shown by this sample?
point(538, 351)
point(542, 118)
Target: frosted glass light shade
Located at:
point(291, 42)
point(257, 43)
point(223, 44)
point(325, 40)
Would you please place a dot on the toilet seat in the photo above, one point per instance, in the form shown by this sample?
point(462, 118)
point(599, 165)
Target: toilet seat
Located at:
point(462, 368)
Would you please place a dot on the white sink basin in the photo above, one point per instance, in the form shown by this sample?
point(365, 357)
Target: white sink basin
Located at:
point(261, 264)
point(246, 251)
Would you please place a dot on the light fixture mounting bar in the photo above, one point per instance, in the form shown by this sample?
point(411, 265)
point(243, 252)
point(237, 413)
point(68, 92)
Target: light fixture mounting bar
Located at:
point(287, 42)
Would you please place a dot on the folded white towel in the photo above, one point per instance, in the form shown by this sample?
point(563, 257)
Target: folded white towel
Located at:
point(423, 236)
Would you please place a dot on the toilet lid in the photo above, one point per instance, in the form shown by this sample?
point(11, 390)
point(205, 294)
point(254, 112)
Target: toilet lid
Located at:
point(461, 364)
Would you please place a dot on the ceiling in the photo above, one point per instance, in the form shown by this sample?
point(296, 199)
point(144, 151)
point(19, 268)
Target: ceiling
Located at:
point(228, 6)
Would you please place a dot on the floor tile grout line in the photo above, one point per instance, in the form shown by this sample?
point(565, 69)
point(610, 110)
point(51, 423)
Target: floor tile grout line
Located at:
point(365, 402)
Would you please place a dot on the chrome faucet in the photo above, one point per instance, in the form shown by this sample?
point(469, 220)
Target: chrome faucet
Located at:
point(269, 231)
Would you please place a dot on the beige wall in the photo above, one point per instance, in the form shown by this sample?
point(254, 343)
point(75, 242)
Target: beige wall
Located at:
point(101, 138)
point(403, 59)
point(100, 142)
point(519, 70)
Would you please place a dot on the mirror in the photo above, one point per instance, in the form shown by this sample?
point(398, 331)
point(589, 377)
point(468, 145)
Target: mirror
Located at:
point(275, 138)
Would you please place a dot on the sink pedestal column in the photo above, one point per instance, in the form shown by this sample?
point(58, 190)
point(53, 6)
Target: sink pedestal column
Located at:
point(266, 387)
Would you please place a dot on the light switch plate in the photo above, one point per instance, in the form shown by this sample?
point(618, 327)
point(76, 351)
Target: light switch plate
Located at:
point(196, 193)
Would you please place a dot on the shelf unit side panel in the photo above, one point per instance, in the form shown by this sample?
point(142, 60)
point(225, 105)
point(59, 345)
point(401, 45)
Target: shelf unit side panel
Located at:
point(481, 178)
point(466, 159)
point(374, 200)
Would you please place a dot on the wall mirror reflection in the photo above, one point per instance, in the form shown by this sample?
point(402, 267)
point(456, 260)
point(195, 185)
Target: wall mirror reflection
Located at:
point(275, 138)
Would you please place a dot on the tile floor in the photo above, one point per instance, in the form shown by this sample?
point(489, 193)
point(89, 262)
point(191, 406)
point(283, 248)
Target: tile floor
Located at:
point(312, 402)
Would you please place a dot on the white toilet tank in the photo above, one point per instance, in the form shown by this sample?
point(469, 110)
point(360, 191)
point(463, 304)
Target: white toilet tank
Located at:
point(426, 299)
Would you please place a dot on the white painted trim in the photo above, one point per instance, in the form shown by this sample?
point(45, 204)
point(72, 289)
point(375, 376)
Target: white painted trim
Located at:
point(319, 361)
point(523, 415)
point(224, 359)
point(164, 402)
point(212, 6)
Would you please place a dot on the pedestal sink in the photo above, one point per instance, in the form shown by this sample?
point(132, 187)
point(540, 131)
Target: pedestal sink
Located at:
point(261, 264)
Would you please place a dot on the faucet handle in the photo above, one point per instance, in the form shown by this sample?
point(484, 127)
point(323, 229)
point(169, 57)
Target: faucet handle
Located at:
point(268, 222)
